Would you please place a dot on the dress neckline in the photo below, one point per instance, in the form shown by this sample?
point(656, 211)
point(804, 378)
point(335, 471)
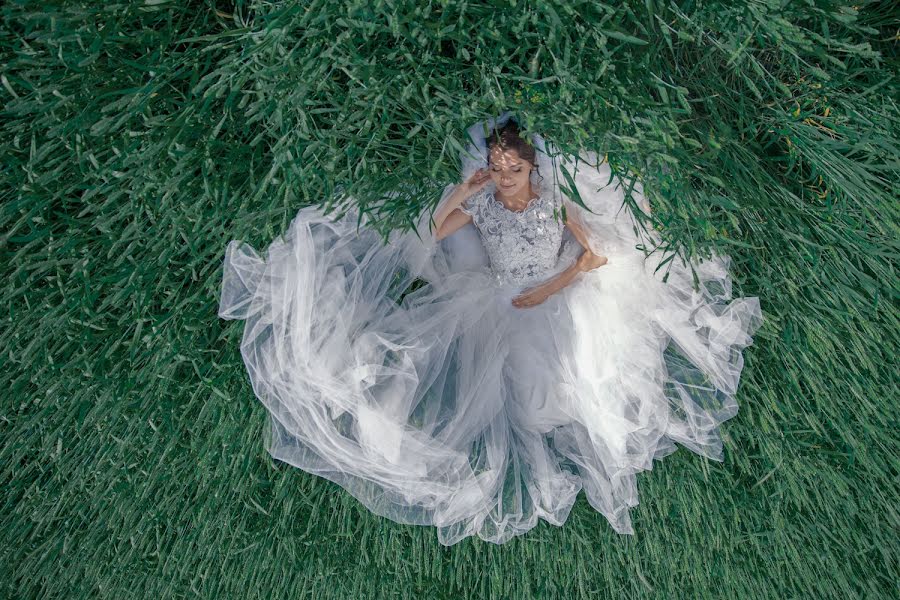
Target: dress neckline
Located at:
point(529, 206)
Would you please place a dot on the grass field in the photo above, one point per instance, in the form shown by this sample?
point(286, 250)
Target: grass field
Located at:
point(140, 137)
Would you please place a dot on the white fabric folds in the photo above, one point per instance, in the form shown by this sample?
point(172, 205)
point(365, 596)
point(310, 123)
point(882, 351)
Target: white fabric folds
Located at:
point(454, 409)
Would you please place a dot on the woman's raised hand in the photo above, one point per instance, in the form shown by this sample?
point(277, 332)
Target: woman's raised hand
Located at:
point(477, 181)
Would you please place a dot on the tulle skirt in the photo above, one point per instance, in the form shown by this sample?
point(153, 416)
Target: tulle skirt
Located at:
point(447, 406)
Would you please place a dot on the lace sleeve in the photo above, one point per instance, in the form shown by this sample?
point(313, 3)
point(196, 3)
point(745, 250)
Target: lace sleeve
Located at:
point(472, 206)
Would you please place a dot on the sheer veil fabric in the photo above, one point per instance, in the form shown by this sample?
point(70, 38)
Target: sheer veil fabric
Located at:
point(449, 407)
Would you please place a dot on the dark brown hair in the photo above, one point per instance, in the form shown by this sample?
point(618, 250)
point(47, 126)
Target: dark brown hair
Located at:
point(508, 138)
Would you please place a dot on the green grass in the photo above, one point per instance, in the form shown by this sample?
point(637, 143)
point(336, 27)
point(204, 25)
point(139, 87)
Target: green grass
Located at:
point(139, 138)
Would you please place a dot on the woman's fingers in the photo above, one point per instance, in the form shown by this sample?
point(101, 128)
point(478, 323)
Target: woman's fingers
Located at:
point(525, 300)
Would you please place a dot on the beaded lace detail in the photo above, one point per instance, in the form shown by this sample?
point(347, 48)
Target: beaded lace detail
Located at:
point(522, 246)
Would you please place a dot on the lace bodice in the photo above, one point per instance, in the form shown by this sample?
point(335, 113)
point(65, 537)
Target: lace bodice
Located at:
point(522, 246)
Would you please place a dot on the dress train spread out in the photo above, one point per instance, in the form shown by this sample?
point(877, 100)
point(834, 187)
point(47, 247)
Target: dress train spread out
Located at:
point(447, 406)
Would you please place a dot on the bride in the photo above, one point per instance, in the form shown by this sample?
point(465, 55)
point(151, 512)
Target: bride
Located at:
point(543, 356)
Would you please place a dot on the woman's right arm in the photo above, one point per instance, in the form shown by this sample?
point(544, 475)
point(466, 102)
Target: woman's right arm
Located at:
point(449, 218)
point(454, 221)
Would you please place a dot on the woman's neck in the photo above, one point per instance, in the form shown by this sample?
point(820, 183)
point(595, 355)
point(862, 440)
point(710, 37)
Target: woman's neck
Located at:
point(520, 200)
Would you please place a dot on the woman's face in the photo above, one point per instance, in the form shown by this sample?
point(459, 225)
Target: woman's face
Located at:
point(509, 172)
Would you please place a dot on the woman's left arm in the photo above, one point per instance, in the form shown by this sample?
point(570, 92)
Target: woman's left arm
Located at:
point(586, 262)
point(537, 295)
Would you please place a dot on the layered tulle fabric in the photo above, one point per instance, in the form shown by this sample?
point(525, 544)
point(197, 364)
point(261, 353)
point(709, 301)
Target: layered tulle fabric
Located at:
point(449, 407)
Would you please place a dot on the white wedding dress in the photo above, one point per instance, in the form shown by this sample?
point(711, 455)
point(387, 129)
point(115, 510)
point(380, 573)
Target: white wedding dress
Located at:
point(455, 409)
